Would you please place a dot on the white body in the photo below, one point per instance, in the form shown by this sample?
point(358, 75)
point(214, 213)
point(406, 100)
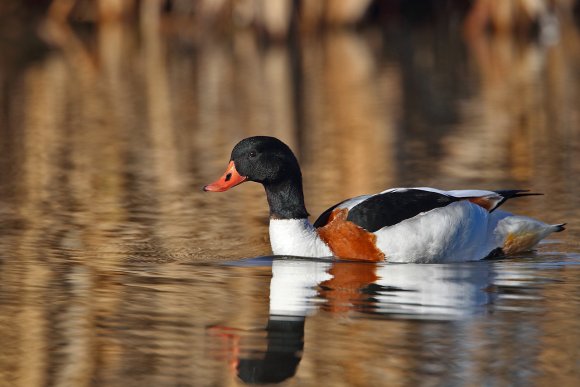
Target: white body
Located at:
point(460, 231)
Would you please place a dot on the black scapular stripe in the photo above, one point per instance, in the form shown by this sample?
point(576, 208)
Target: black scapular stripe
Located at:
point(390, 208)
point(323, 218)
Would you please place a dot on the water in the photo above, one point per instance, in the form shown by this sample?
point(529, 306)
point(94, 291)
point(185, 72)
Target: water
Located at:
point(115, 269)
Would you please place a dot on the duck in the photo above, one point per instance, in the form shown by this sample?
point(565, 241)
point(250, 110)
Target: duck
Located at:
point(406, 225)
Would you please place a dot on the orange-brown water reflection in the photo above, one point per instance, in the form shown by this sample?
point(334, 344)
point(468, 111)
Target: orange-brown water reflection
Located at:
point(107, 137)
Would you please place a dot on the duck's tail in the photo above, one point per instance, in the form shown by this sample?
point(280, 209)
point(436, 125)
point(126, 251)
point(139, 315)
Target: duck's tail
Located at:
point(523, 233)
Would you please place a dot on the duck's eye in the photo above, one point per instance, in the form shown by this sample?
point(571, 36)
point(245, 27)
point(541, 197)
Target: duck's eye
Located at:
point(252, 154)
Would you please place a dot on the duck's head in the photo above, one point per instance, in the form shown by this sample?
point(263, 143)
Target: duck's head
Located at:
point(262, 159)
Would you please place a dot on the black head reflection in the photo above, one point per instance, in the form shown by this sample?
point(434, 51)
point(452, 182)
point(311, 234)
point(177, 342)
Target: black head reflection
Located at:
point(283, 354)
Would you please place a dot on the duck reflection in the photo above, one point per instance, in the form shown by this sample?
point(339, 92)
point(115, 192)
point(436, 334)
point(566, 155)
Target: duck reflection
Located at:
point(299, 288)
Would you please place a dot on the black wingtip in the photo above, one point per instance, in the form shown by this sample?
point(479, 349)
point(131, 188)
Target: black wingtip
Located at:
point(513, 193)
point(516, 193)
point(528, 194)
point(559, 227)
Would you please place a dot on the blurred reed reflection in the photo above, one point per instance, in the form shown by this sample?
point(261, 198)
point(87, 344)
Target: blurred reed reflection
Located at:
point(109, 130)
point(128, 119)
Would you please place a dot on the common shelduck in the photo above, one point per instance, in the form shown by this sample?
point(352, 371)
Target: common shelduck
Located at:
point(397, 225)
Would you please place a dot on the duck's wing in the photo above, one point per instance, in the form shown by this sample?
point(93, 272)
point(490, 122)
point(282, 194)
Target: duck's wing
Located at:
point(394, 206)
point(373, 212)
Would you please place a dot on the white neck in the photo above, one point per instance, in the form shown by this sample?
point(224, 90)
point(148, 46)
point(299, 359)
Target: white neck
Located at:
point(296, 237)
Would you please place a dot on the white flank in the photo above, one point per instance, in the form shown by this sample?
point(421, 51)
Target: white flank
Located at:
point(459, 232)
point(455, 233)
point(296, 237)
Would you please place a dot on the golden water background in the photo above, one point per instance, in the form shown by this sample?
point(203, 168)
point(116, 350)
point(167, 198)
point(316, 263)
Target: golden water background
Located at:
point(108, 134)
